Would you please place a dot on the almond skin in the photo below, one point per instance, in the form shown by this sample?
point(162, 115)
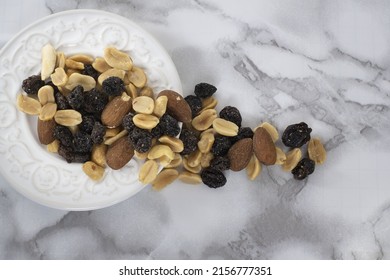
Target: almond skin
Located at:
point(264, 147)
point(177, 107)
point(115, 110)
point(119, 153)
point(240, 154)
point(46, 131)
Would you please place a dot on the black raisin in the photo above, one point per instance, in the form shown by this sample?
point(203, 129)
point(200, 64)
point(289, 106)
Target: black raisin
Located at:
point(141, 139)
point(127, 122)
point(220, 163)
point(95, 101)
point(90, 71)
point(32, 84)
point(98, 132)
point(232, 114)
point(169, 125)
point(81, 157)
point(213, 178)
point(66, 152)
point(243, 132)
point(190, 141)
point(62, 101)
point(113, 86)
point(296, 135)
point(221, 145)
point(157, 131)
point(204, 90)
point(195, 104)
point(64, 135)
point(55, 88)
point(76, 98)
point(87, 123)
point(82, 142)
point(304, 168)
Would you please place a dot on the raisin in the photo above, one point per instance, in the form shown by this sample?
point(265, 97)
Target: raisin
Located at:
point(213, 178)
point(169, 125)
point(220, 163)
point(190, 141)
point(204, 90)
point(304, 168)
point(157, 131)
point(221, 145)
point(195, 104)
point(76, 98)
point(82, 142)
point(66, 152)
point(64, 135)
point(113, 86)
point(62, 101)
point(90, 71)
point(87, 123)
point(95, 101)
point(141, 139)
point(232, 114)
point(32, 84)
point(296, 135)
point(98, 132)
point(127, 122)
point(81, 157)
point(243, 132)
point(55, 88)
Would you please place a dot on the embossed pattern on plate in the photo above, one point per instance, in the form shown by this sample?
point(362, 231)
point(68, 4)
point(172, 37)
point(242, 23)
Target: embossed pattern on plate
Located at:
point(29, 168)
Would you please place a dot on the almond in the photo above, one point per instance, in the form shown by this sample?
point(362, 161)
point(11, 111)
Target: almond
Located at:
point(264, 147)
point(240, 154)
point(46, 131)
point(119, 153)
point(177, 107)
point(115, 110)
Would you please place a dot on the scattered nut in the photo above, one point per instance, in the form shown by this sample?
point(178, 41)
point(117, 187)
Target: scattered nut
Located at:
point(83, 58)
point(204, 120)
point(111, 132)
point(272, 131)
point(209, 103)
point(49, 58)
point(192, 169)
point(45, 130)
point(131, 91)
point(139, 155)
point(111, 73)
point(137, 77)
point(160, 106)
point(158, 151)
point(93, 171)
point(46, 95)
point(145, 121)
point(224, 127)
point(98, 154)
point(68, 117)
point(174, 143)
point(115, 138)
point(240, 154)
point(206, 142)
point(147, 91)
point(72, 64)
point(115, 110)
point(48, 111)
point(253, 168)
point(53, 146)
point(206, 159)
point(28, 105)
point(148, 172)
point(143, 105)
point(164, 178)
point(177, 161)
point(60, 60)
point(280, 156)
point(177, 107)
point(194, 158)
point(264, 147)
point(77, 79)
point(100, 65)
point(117, 59)
point(59, 77)
point(164, 161)
point(119, 153)
point(316, 151)
point(292, 159)
point(190, 178)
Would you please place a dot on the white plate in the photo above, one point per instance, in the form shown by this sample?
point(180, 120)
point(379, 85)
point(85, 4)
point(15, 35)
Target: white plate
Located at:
point(30, 169)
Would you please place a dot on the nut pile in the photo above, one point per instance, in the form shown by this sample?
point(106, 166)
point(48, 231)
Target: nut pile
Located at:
point(100, 112)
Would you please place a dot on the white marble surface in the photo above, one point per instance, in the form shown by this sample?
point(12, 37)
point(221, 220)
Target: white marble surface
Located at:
point(324, 62)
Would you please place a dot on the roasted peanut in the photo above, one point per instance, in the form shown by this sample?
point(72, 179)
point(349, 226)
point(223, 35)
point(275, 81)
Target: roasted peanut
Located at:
point(209, 103)
point(177, 161)
point(206, 159)
point(253, 168)
point(192, 169)
point(194, 158)
point(174, 143)
point(112, 140)
point(93, 171)
point(49, 58)
point(131, 90)
point(117, 59)
point(206, 142)
point(72, 64)
point(83, 58)
point(98, 155)
point(292, 159)
point(143, 105)
point(280, 156)
point(148, 172)
point(145, 121)
point(48, 111)
point(59, 77)
point(53, 146)
point(111, 73)
point(190, 178)
point(204, 120)
point(160, 106)
point(60, 60)
point(147, 91)
point(76, 79)
point(158, 151)
point(137, 77)
point(68, 117)
point(46, 95)
point(100, 65)
point(316, 151)
point(164, 178)
point(28, 105)
point(224, 127)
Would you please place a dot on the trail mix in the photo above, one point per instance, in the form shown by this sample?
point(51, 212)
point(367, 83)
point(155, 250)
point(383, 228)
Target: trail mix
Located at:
point(100, 112)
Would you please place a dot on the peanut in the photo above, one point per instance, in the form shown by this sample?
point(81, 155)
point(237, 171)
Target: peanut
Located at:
point(53, 146)
point(46, 95)
point(100, 65)
point(137, 77)
point(145, 121)
point(113, 139)
point(146, 91)
point(224, 127)
point(117, 59)
point(48, 111)
point(166, 177)
point(93, 171)
point(204, 120)
point(28, 105)
point(72, 64)
point(158, 151)
point(83, 58)
point(49, 58)
point(131, 91)
point(209, 103)
point(192, 169)
point(67, 117)
point(206, 142)
point(190, 178)
point(194, 158)
point(174, 143)
point(59, 77)
point(111, 73)
point(292, 159)
point(148, 172)
point(253, 168)
point(98, 155)
point(160, 106)
point(280, 156)
point(76, 79)
point(177, 161)
point(143, 105)
point(206, 159)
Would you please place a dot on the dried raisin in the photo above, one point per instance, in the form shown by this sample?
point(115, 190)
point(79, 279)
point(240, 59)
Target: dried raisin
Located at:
point(64, 135)
point(95, 101)
point(220, 163)
point(221, 145)
point(98, 132)
point(190, 141)
point(127, 122)
point(213, 178)
point(62, 101)
point(90, 71)
point(243, 132)
point(296, 135)
point(195, 104)
point(113, 86)
point(204, 90)
point(232, 114)
point(87, 123)
point(82, 142)
point(76, 98)
point(32, 84)
point(141, 139)
point(304, 168)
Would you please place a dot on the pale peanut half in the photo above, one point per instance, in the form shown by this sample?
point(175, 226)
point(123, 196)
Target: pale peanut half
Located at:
point(143, 105)
point(160, 106)
point(190, 178)
point(28, 105)
point(174, 143)
point(145, 121)
point(164, 178)
point(46, 95)
point(224, 127)
point(68, 117)
point(117, 59)
point(148, 172)
point(93, 171)
point(204, 120)
point(77, 79)
point(137, 77)
point(292, 159)
point(111, 73)
point(253, 168)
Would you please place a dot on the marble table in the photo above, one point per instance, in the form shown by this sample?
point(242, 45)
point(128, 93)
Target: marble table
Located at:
point(323, 62)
